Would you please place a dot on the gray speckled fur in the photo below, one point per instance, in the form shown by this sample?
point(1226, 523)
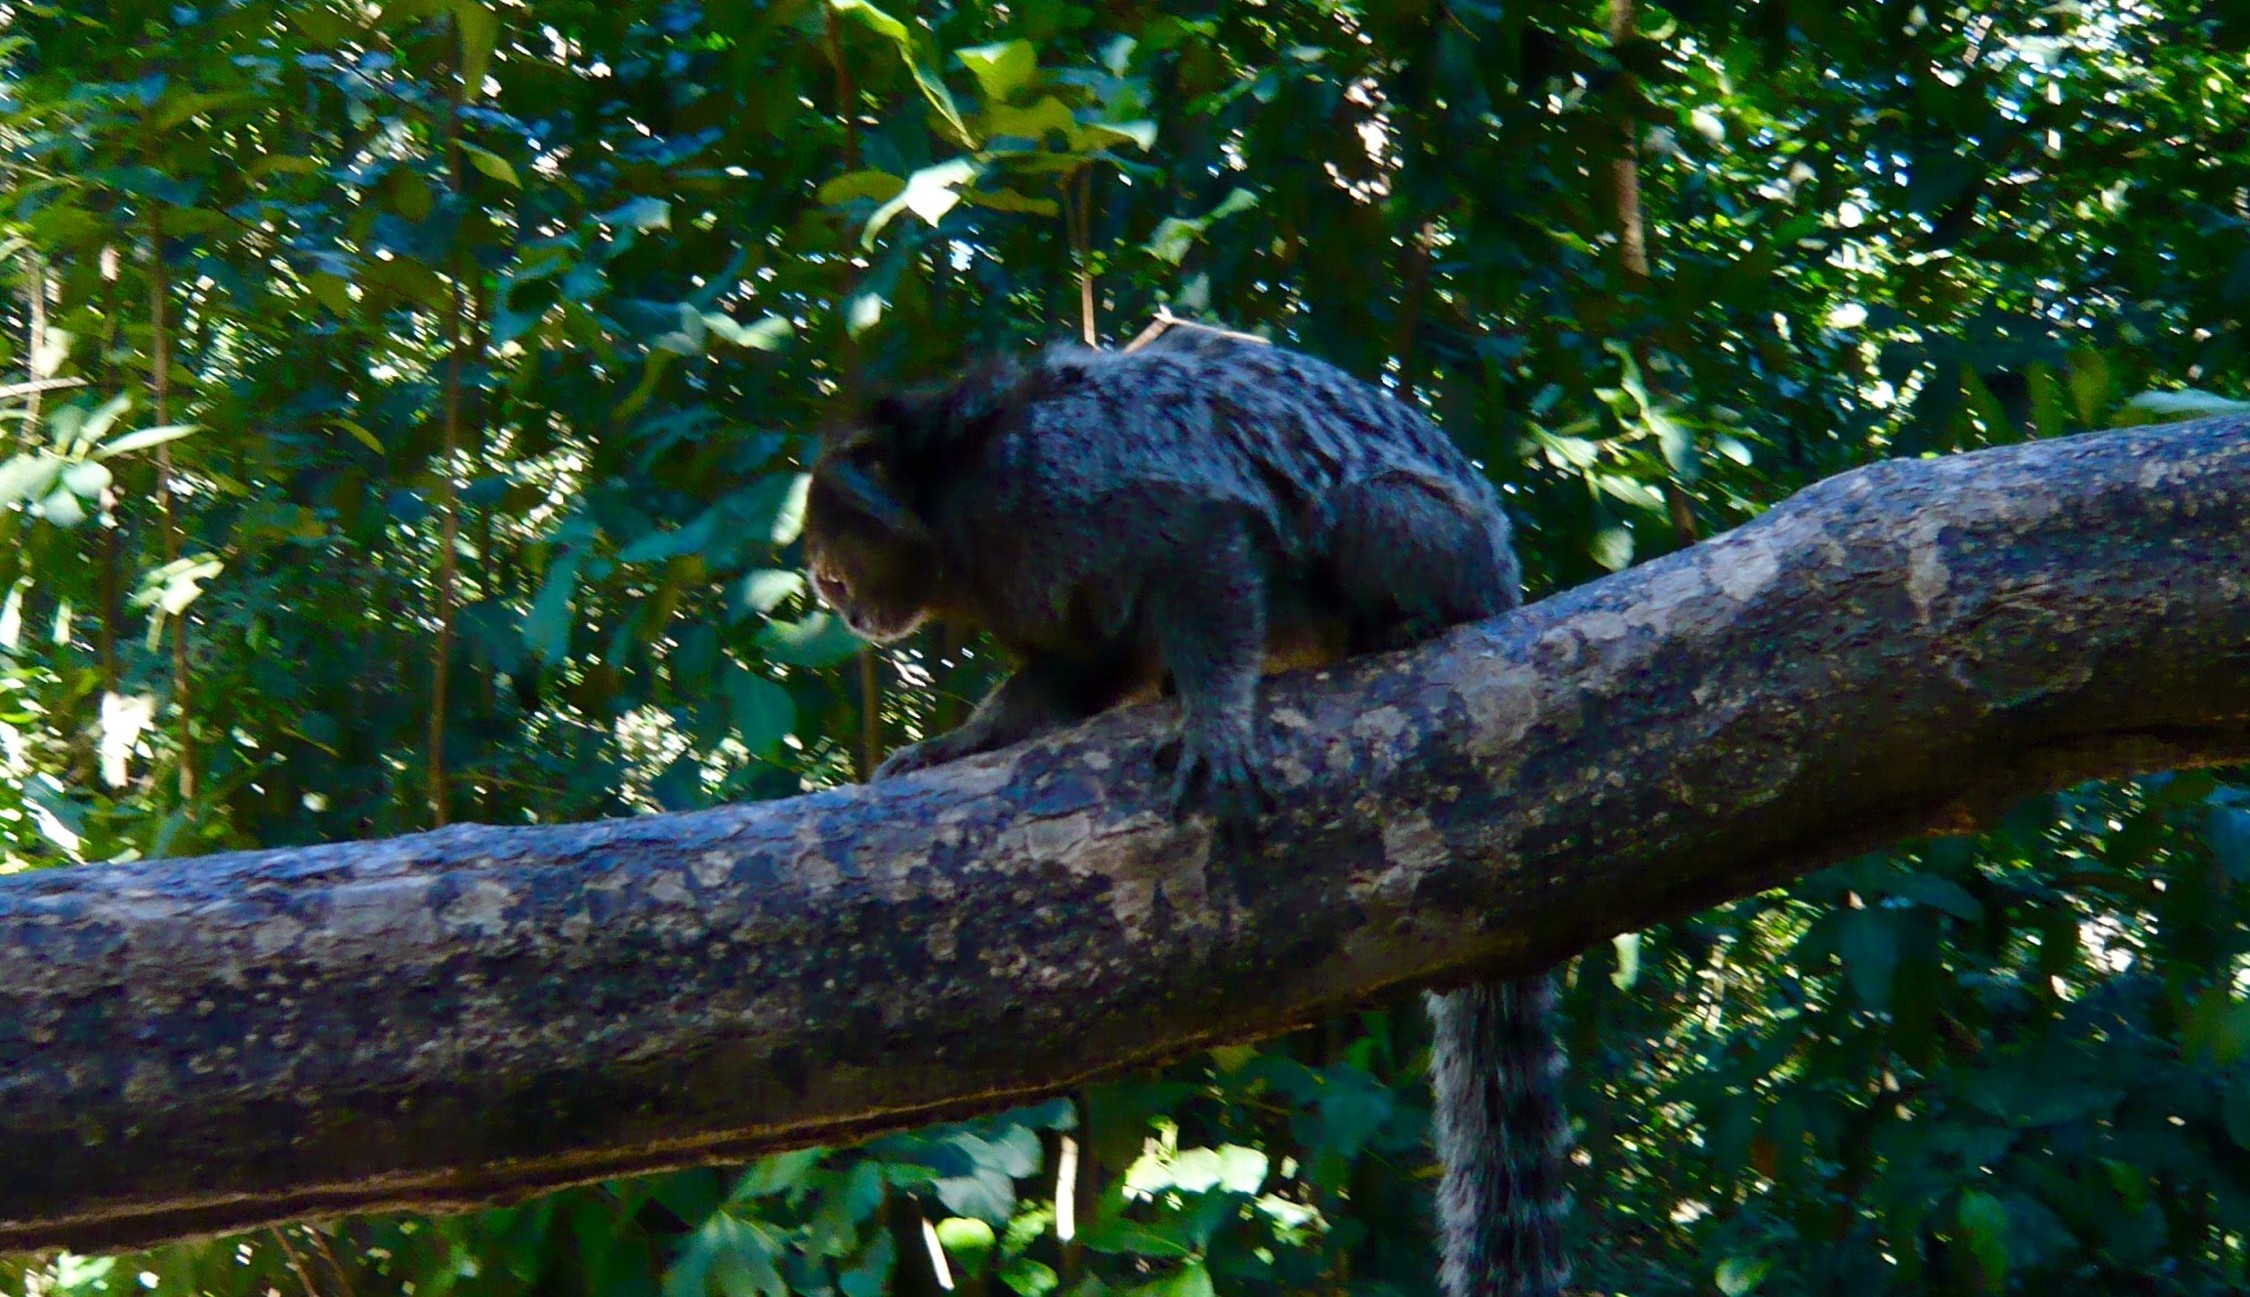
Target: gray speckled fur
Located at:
point(1184, 513)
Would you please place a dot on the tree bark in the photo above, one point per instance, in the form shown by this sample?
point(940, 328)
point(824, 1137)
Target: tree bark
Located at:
point(470, 1015)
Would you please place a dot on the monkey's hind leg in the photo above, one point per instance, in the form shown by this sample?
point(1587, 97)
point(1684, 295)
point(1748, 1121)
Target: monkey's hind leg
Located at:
point(1205, 611)
point(1411, 558)
point(1502, 1135)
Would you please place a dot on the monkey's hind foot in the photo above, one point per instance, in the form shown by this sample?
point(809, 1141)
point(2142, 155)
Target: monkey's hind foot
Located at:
point(1217, 771)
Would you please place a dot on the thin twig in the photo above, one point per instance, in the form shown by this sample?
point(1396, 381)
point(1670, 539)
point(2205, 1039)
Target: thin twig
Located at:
point(1165, 321)
point(160, 393)
point(449, 494)
point(1082, 242)
point(320, 1240)
point(296, 1262)
point(34, 386)
point(1632, 248)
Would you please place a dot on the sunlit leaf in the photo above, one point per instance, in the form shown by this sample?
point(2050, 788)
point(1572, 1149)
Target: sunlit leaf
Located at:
point(1740, 1276)
point(480, 28)
point(491, 164)
point(86, 479)
point(63, 509)
point(818, 640)
point(359, 433)
point(28, 477)
point(900, 36)
point(2186, 403)
point(930, 193)
point(760, 335)
point(1003, 68)
point(143, 439)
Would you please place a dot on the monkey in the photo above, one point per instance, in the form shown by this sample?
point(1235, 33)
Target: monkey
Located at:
point(1188, 513)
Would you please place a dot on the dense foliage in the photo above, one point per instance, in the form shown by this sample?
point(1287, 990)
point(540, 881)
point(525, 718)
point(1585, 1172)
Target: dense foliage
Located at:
point(405, 405)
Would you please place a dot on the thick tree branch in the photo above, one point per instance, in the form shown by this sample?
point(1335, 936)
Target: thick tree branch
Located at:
point(464, 1016)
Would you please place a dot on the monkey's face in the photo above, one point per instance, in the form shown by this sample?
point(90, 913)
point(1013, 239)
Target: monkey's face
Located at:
point(877, 585)
point(871, 558)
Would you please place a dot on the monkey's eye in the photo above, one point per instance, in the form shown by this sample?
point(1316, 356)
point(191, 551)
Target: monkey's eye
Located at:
point(831, 585)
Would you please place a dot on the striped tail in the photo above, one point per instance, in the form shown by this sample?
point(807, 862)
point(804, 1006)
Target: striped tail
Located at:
point(1496, 1067)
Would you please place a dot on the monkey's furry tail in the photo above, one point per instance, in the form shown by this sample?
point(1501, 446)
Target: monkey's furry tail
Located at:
point(1496, 1067)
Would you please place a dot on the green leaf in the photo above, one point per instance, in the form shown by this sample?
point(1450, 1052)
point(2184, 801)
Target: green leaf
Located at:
point(1190, 1280)
point(1612, 547)
point(96, 425)
point(1984, 1219)
point(1739, 1276)
point(1175, 234)
point(2047, 416)
point(546, 630)
point(763, 590)
point(1142, 133)
point(658, 546)
point(1628, 948)
point(819, 640)
point(1008, 200)
point(86, 479)
point(28, 477)
point(2089, 383)
point(332, 292)
point(2187, 403)
point(1003, 68)
point(763, 712)
point(965, 1237)
point(480, 30)
point(1242, 1170)
point(1676, 443)
point(491, 164)
point(144, 439)
point(763, 335)
point(643, 213)
point(1034, 122)
point(986, 1194)
point(897, 33)
point(1117, 1236)
point(778, 1173)
point(1939, 893)
point(881, 186)
point(1869, 948)
point(323, 25)
point(772, 507)
point(930, 193)
point(176, 109)
point(62, 509)
point(1028, 1278)
point(2234, 1109)
point(359, 433)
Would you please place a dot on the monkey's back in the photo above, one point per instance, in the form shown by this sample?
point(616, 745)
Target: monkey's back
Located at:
point(1213, 418)
point(1066, 483)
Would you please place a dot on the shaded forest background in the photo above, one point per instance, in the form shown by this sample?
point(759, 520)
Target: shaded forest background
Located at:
point(406, 406)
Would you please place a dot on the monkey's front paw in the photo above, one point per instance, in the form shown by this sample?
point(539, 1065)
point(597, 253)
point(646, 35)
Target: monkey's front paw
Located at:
point(912, 757)
point(1218, 772)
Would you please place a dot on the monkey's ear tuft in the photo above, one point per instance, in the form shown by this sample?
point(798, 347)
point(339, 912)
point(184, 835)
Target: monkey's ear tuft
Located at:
point(849, 489)
point(907, 417)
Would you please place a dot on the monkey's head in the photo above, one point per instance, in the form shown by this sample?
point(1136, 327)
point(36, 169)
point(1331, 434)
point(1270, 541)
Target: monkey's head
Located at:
point(869, 539)
point(871, 555)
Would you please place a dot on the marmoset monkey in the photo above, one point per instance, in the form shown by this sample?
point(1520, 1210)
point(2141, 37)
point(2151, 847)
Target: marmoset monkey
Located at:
point(1186, 512)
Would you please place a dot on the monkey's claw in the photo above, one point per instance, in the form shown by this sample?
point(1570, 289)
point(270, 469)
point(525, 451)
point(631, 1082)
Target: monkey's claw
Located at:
point(1220, 775)
point(912, 757)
